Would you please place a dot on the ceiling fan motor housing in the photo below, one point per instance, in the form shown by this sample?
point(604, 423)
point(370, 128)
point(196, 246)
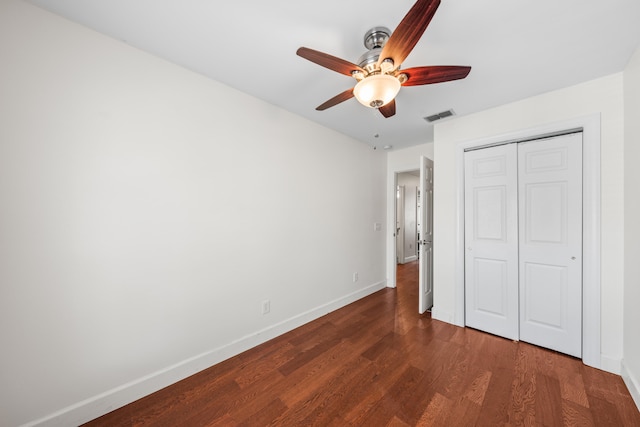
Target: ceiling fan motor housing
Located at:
point(369, 59)
point(374, 41)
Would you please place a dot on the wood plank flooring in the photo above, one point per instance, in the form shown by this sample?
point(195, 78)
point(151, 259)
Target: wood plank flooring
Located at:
point(377, 362)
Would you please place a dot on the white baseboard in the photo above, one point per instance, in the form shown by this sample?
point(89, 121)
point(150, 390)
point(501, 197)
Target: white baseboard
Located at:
point(410, 259)
point(610, 364)
point(103, 403)
point(632, 382)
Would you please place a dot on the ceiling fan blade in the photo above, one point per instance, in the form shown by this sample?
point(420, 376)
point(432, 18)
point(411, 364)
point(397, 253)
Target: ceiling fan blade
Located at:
point(341, 97)
point(417, 76)
point(328, 61)
point(388, 109)
point(408, 32)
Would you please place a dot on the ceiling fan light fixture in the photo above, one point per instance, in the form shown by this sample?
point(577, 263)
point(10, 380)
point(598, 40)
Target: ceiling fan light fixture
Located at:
point(377, 71)
point(376, 90)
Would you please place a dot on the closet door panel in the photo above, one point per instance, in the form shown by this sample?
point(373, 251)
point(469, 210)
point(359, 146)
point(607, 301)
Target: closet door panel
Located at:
point(491, 256)
point(550, 242)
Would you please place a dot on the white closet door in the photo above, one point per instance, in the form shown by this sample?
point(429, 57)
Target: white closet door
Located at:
point(550, 218)
point(491, 240)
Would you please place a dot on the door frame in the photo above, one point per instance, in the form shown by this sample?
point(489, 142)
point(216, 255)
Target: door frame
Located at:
point(391, 239)
point(399, 231)
point(591, 282)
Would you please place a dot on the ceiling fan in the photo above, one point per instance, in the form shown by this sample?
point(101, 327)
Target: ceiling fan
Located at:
point(378, 71)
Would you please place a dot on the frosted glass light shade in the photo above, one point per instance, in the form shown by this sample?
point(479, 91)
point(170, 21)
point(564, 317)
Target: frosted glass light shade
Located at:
point(377, 90)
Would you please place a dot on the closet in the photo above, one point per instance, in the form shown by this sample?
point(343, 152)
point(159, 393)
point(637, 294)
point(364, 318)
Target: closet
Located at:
point(523, 241)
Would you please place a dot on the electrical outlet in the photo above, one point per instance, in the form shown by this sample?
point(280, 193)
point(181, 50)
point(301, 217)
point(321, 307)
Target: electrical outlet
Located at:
point(355, 277)
point(266, 306)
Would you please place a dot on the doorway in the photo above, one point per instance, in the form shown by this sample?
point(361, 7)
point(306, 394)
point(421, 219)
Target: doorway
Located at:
point(406, 234)
point(413, 228)
point(407, 221)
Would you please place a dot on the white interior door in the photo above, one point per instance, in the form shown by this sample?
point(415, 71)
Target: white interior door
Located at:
point(550, 248)
point(400, 224)
point(425, 269)
point(491, 240)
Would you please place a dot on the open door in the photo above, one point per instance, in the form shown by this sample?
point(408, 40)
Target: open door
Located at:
point(425, 239)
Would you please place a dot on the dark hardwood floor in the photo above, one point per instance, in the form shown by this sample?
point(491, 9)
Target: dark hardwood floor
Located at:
point(377, 362)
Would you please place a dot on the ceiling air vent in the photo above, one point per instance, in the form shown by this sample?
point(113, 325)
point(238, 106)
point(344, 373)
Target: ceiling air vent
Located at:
point(439, 116)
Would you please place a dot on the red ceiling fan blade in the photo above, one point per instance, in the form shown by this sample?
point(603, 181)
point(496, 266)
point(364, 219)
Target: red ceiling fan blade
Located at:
point(408, 32)
point(341, 97)
point(417, 76)
point(388, 109)
point(328, 61)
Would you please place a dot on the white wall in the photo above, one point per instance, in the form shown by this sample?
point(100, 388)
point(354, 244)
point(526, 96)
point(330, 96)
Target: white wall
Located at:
point(604, 96)
point(146, 212)
point(631, 361)
point(404, 160)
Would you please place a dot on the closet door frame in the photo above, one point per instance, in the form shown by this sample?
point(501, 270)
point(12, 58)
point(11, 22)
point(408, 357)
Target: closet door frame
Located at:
point(590, 127)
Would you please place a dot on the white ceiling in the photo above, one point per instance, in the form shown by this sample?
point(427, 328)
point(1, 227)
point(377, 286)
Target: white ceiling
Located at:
point(516, 48)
